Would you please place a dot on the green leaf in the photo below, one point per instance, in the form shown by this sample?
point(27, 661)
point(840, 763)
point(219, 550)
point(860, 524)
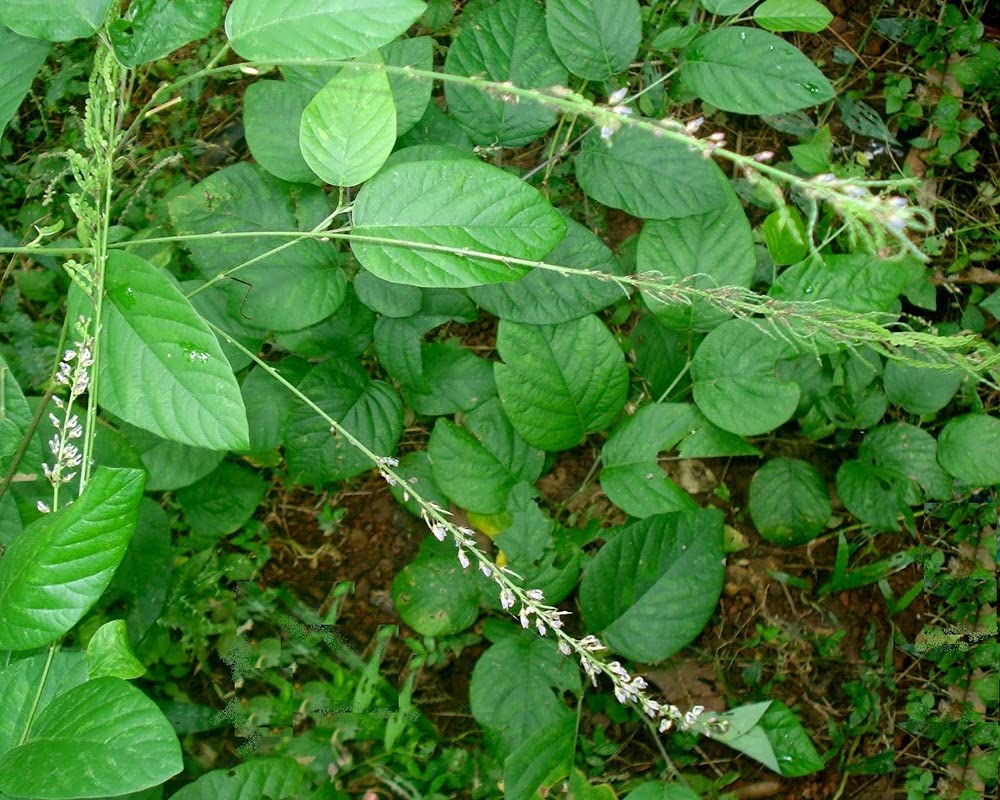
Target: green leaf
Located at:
point(20, 60)
point(920, 390)
point(415, 470)
point(702, 250)
point(595, 39)
point(560, 382)
point(546, 297)
point(478, 467)
point(26, 679)
point(653, 587)
point(456, 380)
point(370, 410)
point(272, 117)
point(856, 282)
point(750, 71)
point(647, 176)
point(161, 367)
point(221, 502)
point(735, 383)
point(789, 501)
point(517, 685)
point(348, 331)
point(631, 476)
point(455, 204)
point(91, 731)
point(171, 465)
point(393, 300)
point(662, 791)
point(807, 16)
point(507, 42)
point(54, 20)
point(769, 732)
point(16, 417)
point(349, 127)
point(912, 453)
point(109, 653)
point(289, 290)
point(61, 564)
point(433, 594)
point(529, 534)
point(152, 29)
point(862, 119)
point(969, 448)
point(872, 494)
point(320, 30)
point(410, 95)
point(149, 553)
point(726, 8)
point(785, 235)
point(274, 778)
point(542, 759)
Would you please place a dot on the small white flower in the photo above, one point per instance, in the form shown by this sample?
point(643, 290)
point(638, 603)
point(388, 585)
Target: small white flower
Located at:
point(564, 647)
point(666, 724)
point(617, 96)
point(507, 599)
point(535, 594)
point(439, 532)
point(43, 507)
point(694, 124)
point(463, 559)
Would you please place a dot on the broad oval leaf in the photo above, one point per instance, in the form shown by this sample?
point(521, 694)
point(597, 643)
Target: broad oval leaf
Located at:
point(222, 501)
point(647, 176)
point(560, 382)
point(911, 452)
point(517, 684)
point(108, 739)
point(60, 565)
point(452, 205)
point(750, 71)
point(506, 42)
point(735, 383)
point(858, 282)
point(594, 38)
point(20, 60)
point(631, 475)
point(705, 251)
point(807, 16)
point(274, 778)
point(434, 595)
point(477, 466)
point(547, 297)
point(161, 367)
point(969, 448)
point(920, 390)
point(789, 501)
point(320, 30)
point(370, 410)
point(297, 286)
point(54, 20)
point(653, 586)
point(272, 117)
point(152, 29)
point(349, 127)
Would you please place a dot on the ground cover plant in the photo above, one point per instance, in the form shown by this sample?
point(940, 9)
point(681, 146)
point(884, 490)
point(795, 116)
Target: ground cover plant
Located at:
point(498, 399)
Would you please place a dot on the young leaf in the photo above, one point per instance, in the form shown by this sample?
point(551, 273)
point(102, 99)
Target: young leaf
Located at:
point(272, 117)
point(274, 778)
point(320, 30)
point(545, 297)
point(653, 586)
point(478, 467)
point(517, 685)
point(969, 448)
point(161, 367)
point(735, 383)
point(370, 410)
point(702, 250)
point(507, 42)
point(34, 677)
point(560, 382)
point(289, 290)
point(750, 71)
point(152, 29)
point(631, 476)
point(60, 565)
point(54, 20)
point(109, 652)
point(789, 501)
point(455, 204)
point(595, 39)
point(20, 60)
point(108, 739)
point(769, 732)
point(647, 176)
point(807, 16)
point(348, 129)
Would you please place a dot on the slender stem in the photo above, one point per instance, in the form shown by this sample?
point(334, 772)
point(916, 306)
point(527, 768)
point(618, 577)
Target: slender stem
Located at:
point(38, 693)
